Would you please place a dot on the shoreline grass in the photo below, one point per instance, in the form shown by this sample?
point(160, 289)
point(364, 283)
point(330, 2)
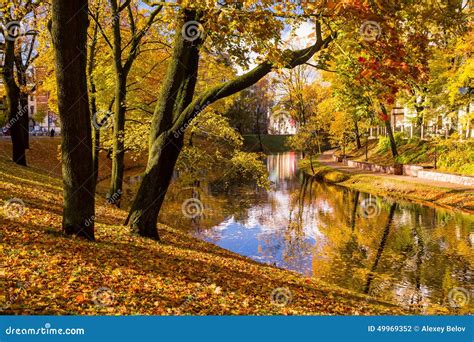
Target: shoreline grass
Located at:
point(461, 200)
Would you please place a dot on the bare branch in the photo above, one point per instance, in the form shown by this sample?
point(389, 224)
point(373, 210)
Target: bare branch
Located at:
point(96, 20)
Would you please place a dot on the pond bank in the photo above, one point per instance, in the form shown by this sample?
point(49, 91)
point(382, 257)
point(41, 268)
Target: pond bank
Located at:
point(181, 275)
point(423, 191)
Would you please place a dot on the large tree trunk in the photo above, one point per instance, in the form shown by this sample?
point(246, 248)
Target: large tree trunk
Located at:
point(69, 35)
point(23, 105)
point(388, 126)
point(16, 113)
point(25, 120)
point(147, 204)
point(166, 144)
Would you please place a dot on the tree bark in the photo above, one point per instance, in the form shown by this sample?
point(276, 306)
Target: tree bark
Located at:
point(174, 112)
point(25, 119)
point(165, 144)
point(16, 113)
point(23, 104)
point(122, 70)
point(93, 103)
point(69, 36)
point(118, 155)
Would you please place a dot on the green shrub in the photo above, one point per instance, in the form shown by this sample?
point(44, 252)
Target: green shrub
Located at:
point(384, 142)
point(456, 156)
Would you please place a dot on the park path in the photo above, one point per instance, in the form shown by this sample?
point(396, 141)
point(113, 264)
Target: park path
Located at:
point(326, 159)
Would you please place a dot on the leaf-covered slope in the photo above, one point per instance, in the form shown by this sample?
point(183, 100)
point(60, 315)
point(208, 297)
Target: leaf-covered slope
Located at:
point(48, 273)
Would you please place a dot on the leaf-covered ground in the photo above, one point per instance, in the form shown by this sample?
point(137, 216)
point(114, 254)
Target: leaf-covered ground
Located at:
point(45, 272)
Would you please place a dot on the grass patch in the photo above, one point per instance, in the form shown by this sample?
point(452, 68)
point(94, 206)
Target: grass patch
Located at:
point(383, 185)
point(453, 156)
point(422, 193)
point(320, 171)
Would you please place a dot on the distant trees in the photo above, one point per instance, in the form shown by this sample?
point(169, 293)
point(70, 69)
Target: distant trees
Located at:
point(401, 57)
point(249, 113)
point(18, 48)
point(69, 21)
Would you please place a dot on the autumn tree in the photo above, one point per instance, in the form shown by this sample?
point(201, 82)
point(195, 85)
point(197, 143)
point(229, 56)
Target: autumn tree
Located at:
point(249, 112)
point(123, 17)
point(18, 31)
point(303, 99)
point(451, 66)
point(383, 54)
point(69, 36)
point(178, 105)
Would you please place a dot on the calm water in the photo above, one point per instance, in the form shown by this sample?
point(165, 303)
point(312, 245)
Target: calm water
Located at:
point(393, 250)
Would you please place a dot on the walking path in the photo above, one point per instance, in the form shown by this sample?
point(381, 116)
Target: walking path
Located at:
point(326, 159)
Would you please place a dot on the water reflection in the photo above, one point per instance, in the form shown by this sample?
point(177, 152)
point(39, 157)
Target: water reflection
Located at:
point(397, 251)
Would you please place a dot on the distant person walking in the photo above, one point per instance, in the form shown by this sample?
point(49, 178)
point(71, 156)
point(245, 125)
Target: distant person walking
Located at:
point(51, 134)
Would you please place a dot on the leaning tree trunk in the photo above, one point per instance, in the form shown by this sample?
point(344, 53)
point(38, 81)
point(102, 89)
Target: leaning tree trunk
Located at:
point(69, 36)
point(388, 126)
point(15, 112)
point(118, 155)
point(147, 204)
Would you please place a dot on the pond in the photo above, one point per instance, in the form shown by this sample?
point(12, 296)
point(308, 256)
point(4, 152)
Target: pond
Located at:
point(420, 257)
